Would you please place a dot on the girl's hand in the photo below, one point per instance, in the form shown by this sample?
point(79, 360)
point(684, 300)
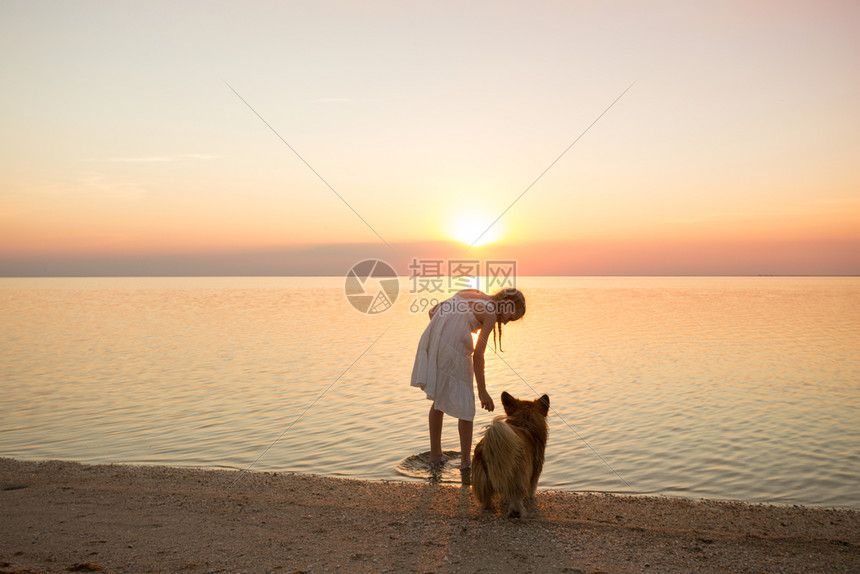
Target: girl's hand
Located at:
point(486, 401)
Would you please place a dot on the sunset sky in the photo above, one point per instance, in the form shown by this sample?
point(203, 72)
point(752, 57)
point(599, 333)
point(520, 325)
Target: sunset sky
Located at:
point(125, 151)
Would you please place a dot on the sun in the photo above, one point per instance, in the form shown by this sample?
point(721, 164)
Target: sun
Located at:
point(474, 229)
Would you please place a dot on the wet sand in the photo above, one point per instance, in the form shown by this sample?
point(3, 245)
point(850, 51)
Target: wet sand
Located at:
point(67, 517)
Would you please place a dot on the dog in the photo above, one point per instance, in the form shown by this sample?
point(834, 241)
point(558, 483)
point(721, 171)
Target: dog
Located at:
point(509, 457)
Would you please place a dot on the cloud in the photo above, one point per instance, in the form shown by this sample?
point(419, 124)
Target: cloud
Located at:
point(163, 158)
point(833, 201)
point(112, 189)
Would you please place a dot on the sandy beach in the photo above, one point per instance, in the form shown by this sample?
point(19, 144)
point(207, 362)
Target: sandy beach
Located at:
point(68, 517)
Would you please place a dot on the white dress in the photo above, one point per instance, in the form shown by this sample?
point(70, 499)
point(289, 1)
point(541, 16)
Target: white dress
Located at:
point(443, 364)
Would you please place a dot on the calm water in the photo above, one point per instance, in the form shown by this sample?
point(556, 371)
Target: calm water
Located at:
point(730, 388)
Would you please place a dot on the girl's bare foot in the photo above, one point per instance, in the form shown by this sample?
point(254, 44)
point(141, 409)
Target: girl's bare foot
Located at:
point(438, 460)
point(466, 462)
point(466, 476)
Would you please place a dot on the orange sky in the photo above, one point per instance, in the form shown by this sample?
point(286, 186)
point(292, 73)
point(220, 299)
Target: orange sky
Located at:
point(124, 151)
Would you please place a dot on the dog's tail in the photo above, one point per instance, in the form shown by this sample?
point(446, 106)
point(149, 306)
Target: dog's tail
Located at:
point(504, 458)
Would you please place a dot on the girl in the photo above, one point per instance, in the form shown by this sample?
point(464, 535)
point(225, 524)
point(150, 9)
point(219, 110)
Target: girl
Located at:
point(445, 361)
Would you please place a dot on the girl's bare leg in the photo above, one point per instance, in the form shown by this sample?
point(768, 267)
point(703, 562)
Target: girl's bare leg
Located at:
point(465, 428)
point(435, 424)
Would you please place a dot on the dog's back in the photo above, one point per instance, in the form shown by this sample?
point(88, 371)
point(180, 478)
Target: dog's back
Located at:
point(509, 458)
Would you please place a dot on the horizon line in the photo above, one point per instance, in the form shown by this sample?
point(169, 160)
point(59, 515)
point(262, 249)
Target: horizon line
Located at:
point(581, 275)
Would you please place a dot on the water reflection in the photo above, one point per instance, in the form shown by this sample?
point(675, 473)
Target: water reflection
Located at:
point(718, 387)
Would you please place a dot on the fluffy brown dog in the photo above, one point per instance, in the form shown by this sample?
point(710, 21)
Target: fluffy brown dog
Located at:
point(509, 458)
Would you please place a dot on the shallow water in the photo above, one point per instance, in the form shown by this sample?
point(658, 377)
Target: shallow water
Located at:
point(730, 388)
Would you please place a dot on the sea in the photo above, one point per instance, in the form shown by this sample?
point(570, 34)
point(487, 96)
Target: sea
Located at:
point(728, 388)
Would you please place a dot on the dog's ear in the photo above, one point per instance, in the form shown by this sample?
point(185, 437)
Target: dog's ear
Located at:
point(508, 402)
point(544, 404)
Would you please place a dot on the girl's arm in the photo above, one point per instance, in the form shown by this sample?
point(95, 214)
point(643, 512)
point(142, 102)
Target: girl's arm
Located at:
point(478, 362)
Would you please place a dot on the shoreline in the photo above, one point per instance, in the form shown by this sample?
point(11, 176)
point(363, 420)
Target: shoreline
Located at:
point(64, 516)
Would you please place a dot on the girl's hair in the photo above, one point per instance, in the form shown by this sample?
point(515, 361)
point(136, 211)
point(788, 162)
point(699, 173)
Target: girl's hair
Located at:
point(509, 299)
